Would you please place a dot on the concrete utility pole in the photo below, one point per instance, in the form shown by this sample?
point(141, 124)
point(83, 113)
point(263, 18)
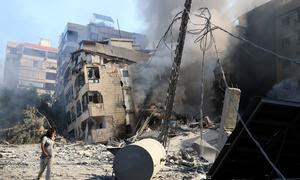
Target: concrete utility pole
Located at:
point(175, 72)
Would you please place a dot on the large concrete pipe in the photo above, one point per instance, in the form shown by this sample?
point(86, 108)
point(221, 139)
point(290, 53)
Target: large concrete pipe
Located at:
point(140, 160)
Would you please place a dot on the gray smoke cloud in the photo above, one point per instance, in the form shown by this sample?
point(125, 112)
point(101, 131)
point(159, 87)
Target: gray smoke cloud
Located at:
point(288, 90)
point(153, 78)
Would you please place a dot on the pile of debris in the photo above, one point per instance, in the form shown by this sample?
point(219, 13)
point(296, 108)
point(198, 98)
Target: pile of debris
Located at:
point(29, 130)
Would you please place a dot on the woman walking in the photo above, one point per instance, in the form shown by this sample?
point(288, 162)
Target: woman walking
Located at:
point(47, 143)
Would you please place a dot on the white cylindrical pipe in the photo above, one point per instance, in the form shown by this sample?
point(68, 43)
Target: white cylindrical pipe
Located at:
point(140, 160)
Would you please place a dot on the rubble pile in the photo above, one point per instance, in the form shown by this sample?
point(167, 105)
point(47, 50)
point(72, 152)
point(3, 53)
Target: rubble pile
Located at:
point(187, 156)
point(29, 130)
point(184, 154)
point(72, 161)
point(79, 160)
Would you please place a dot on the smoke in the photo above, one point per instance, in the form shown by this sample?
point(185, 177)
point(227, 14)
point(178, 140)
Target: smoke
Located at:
point(152, 80)
point(288, 89)
point(257, 73)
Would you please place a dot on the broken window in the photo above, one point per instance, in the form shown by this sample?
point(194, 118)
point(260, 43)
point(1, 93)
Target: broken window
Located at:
point(50, 76)
point(67, 76)
point(83, 126)
point(12, 50)
point(34, 52)
point(79, 81)
point(120, 101)
point(95, 97)
point(78, 108)
point(73, 114)
point(285, 21)
point(52, 55)
point(68, 117)
point(285, 42)
point(93, 74)
point(77, 57)
point(31, 84)
point(72, 133)
point(50, 86)
point(105, 61)
point(100, 122)
point(125, 73)
point(69, 94)
point(51, 65)
point(72, 36)
point(84, 102)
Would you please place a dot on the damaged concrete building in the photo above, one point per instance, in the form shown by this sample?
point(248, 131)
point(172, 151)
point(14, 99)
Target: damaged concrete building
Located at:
point(30, 65)
point(97, 89)
point(100, 28)
point(275, 26)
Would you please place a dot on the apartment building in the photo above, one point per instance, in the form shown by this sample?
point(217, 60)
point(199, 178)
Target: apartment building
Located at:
point(30, 65)
point(274, 25)
point(97, 89)
point(100, 28)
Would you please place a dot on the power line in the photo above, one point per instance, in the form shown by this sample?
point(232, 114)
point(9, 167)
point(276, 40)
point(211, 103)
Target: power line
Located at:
point(202, 38)
point(163, 39)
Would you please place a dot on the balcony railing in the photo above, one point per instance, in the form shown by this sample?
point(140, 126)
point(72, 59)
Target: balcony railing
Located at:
point(96, 109)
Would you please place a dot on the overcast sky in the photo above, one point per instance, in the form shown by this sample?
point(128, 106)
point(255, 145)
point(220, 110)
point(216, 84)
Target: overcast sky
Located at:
point(30, 20)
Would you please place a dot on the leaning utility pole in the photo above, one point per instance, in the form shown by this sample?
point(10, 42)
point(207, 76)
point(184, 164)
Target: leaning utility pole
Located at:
point(175, 72)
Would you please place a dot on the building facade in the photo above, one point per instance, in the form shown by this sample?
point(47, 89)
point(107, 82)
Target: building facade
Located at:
point(100, 28)
point(287, 32)
point(98, 92)
point(30, 65)
point(273, 26)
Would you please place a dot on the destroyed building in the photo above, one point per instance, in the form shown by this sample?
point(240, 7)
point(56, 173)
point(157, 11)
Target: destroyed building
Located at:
point(30, 65)
point(100, 28)
point(274, 26)
point(97, 89)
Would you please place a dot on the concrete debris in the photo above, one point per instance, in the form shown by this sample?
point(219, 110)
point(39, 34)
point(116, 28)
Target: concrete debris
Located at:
point(28, 131)
point(79, 160)
point(207, 123)
point(4, 142)
point(60, 140)
point(186, 156)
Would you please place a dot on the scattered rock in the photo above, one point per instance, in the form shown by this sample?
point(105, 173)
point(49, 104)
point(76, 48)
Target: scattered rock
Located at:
point(185, 156)
point(188, 164)
point(4, 142)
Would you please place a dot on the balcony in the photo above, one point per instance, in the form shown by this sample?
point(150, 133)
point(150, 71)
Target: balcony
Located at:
point(96, 110)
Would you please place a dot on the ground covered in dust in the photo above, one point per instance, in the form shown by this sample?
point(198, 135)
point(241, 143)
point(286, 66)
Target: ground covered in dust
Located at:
point(84, 161)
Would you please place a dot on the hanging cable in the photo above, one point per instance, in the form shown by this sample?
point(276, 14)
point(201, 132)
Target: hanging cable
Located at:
point(162, 40)
point(203, 34)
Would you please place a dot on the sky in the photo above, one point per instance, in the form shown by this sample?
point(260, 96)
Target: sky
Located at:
point(30, 20)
